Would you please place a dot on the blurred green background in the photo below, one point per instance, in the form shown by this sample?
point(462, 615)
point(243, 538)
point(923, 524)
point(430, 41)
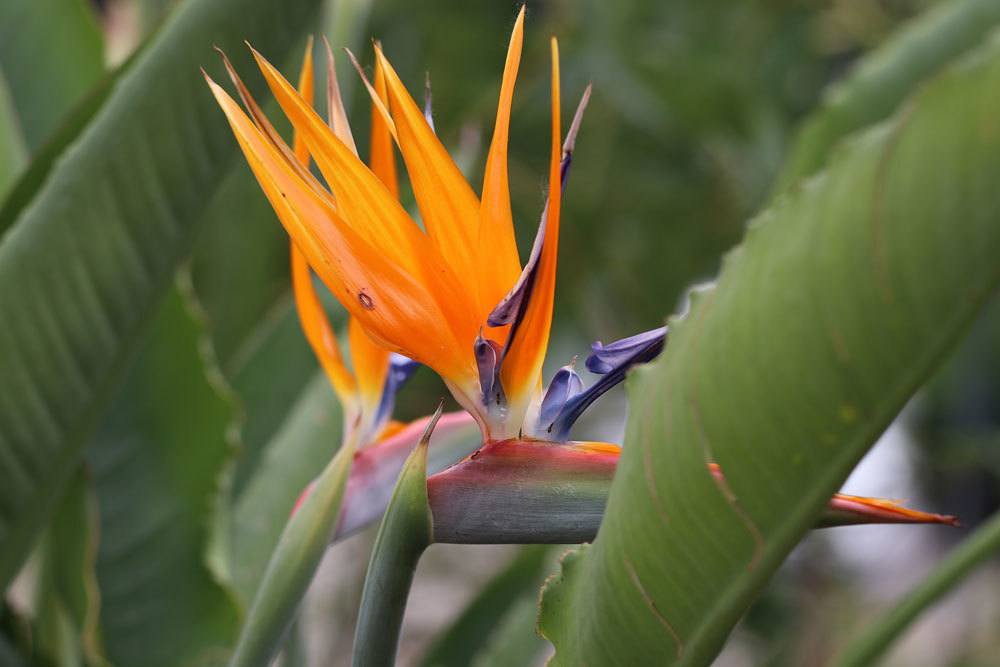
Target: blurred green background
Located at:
point(694, 110)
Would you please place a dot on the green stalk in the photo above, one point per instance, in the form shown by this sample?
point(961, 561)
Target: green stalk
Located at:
point(406, 530)
point(293, 564)
point(982, 545)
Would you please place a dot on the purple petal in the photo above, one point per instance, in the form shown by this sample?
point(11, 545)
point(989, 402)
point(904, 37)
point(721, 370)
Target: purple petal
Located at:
point(400, 370)
point(487, 359)
point(641, 349)
point(604, 358)
point(565, 384)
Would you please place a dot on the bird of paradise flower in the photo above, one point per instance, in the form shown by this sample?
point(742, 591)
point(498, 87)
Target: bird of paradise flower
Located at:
point(450, 294)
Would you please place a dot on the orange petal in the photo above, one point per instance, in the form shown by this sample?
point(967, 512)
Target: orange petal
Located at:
point(497, 247)
point(448, 206)
point(522, 365)
point(306, 90)
point(371, 365)
point(319, 333)
point(375, 215)
point(312, 317)
point(361, 197)
point(394, 308)
point(382, 156)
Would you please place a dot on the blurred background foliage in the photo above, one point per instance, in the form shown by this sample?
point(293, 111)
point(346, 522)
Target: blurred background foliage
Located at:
point(223, 418)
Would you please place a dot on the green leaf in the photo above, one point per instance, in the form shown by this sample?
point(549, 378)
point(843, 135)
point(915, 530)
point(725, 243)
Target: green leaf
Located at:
point(293, 564)
point(13, 152)
point(156, 461)
point(515, 641)
point(240, 276)
point(51, 53)
point(479, 628)
point(67, 600)
point(842, 299)
point(304, 445)
point(26, 186)
point(884, 78)
point(879, 636)
point(405, 532)
point(99, 243)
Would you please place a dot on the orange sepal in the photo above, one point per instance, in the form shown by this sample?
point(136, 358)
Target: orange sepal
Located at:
point(522, 365)
point(448, 206)
point(497, 247)
point(382, 156)
point(391, 304)
point(312, 316)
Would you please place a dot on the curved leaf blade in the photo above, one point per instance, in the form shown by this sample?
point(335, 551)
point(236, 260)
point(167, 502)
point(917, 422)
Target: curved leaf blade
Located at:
point(13, 152)
point(842, 299)
point(86, 260)
point(872, 91)
point(47, 82)
point(156, 460)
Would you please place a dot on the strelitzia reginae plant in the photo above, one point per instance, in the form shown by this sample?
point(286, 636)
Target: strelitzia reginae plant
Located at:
point(450, 293)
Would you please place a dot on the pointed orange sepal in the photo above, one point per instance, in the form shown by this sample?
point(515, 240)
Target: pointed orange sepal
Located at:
point(522, 365)
point(382, 156)
point(497, 247)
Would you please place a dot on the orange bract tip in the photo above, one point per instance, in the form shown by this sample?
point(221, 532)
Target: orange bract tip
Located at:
point(448, 207)
point(496, 245)
point(522, 366)
point(306, 90)
point(382, 156)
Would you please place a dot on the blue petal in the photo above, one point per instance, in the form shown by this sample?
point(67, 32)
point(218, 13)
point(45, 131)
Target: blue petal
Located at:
point(565, 384)
point(488, 361)
point(613, 362)
point(400, 370)
point(605, 358)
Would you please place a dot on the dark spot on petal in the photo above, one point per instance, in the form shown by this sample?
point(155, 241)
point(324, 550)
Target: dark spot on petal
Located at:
point(366, 301)
point(475, 455)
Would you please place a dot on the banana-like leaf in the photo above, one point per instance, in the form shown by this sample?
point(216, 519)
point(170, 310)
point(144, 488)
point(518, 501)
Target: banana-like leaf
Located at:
point(84, 263)
point(23, 190)
point(51, 53)
point(240, 275)
point(843, 298)
point(515, 640)
point(882, 79)
point(304, 444)
point(13, 151)
point(156, 460)
point(67, 599)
